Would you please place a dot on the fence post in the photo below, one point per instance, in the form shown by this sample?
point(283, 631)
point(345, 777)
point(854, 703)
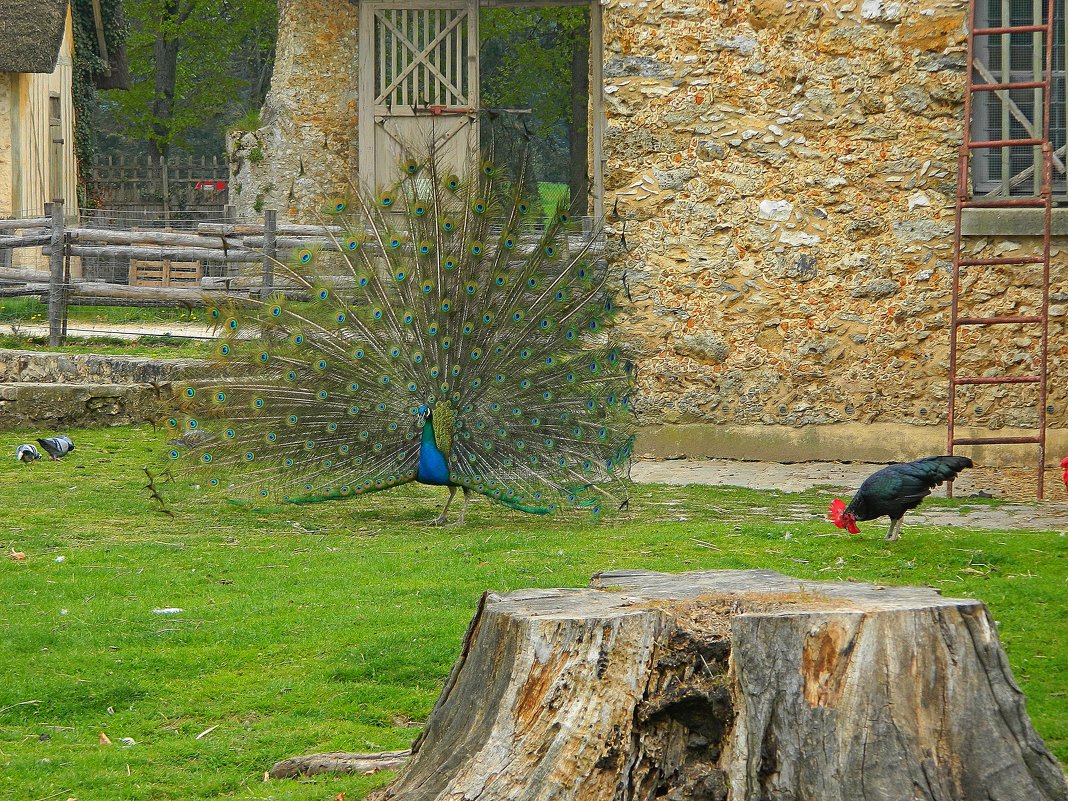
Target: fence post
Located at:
point(5, 254)
point(270, 226)
point(166, 191)
point(56, 295)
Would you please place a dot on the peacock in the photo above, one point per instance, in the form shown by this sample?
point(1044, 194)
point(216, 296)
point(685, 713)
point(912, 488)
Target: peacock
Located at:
point(450, 329)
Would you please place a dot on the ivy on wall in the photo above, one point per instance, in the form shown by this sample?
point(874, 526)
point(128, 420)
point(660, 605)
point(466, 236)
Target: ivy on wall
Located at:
point(89, 68)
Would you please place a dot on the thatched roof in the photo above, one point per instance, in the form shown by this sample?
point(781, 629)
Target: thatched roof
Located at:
point(31, 32)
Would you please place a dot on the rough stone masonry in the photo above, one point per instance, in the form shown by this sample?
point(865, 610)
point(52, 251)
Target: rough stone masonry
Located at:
point(786, 171)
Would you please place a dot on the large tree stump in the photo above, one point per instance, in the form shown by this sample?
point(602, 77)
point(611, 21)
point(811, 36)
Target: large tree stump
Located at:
point(729, 685)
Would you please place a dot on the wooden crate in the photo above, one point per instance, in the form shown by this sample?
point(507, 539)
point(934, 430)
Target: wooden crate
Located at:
point(165, 273)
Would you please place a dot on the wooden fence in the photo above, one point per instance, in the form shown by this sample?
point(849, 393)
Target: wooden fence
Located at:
point(165, 265)
point(165, 186)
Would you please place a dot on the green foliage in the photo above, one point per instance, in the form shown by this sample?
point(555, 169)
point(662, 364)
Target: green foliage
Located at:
point(26, 309)
point(330, 627)
point(160, 347)
point(88, 65)
point(222, 48)
point(524, 70)
point(250, 122)
point(553, 195)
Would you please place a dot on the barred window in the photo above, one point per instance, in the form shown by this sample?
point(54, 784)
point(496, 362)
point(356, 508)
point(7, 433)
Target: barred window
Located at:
point(1017, 113)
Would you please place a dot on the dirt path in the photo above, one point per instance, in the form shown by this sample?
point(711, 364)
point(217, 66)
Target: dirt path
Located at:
point(841, 479)
point(86, 328)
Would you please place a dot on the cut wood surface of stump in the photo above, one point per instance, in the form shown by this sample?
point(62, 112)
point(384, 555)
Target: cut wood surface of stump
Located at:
point(740, 685)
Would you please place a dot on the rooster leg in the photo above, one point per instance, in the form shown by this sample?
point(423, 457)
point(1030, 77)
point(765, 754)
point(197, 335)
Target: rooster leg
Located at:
point(895, 530)
point(440, 519)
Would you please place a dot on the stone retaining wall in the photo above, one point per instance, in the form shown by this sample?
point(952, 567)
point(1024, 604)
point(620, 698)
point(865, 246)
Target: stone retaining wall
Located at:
point(52, 407)
point(22, 366)
point(48, 390)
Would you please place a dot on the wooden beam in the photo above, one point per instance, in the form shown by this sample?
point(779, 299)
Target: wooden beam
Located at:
point(7, 242)
point(55, 272)
point(101, 42)
point(28, 222)
point(162, 252)
point(152, 238)
point(597, 107)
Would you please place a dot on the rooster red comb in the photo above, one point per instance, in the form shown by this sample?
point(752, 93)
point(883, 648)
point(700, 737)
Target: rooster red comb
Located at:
point(835, 512)
point(838, 516)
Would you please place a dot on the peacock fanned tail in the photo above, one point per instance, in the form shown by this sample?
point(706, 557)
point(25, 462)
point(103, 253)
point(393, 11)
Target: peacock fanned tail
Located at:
point(460, 293)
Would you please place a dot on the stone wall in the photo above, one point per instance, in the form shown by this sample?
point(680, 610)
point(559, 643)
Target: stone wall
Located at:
point(50, 408)
point(50, 391)
point(785, 172)
point(31, 366)
point(306, 148)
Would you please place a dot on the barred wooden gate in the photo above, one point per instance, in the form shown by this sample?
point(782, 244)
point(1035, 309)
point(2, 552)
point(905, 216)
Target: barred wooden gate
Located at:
point(418, 83)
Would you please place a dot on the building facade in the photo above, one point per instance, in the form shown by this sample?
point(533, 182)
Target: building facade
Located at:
point(779, 178)
point(37, 160)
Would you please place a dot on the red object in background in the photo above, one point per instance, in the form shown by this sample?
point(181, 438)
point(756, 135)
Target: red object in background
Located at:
point(1064, 465)
point(837, 514)
point(211, 186)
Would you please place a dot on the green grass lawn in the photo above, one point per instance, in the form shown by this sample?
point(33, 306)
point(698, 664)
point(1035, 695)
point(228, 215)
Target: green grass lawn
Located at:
point(332, 626)
point(158, 347)
point(27, 309)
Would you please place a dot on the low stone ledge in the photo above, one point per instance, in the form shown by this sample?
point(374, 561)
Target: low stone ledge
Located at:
point(27, 366)
point(60, 405)
point(850, 442)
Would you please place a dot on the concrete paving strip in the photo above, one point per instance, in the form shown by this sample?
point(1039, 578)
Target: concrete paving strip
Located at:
point(841, 479)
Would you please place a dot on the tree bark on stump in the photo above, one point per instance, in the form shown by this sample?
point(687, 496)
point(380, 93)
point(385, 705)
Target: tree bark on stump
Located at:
point(739, 685)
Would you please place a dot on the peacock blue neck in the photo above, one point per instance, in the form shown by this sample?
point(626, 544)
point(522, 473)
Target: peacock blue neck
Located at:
point(432, 466)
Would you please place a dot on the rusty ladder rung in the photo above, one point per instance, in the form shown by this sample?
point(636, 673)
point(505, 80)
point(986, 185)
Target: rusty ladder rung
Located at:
point(1005, 143)
point(1002, 260)
point(1000, 87)
point(1009, 29)
point(1022, 202)
point(997, 320)
point(999, 379)
point(996, 440)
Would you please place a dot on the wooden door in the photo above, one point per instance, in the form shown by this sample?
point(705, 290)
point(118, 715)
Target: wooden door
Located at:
point(418, 84)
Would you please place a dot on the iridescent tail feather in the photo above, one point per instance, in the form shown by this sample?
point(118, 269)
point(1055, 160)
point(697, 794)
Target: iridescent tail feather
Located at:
point(457, 293)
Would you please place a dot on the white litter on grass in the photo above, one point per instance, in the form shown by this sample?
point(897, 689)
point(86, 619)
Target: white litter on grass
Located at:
point(167, 610)
point(61, 559)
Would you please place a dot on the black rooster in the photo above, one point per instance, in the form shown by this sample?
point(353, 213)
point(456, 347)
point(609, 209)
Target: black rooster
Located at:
point(894, 490)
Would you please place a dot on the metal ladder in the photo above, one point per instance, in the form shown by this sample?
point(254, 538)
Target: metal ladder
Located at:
point(1043, 201)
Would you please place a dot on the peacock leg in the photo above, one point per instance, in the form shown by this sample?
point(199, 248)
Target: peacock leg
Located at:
point(440, 519)
point(463, 509)
point(895, 530)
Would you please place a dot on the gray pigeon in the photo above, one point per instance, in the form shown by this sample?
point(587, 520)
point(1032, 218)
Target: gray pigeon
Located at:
point(57, 447)
point(27, 453)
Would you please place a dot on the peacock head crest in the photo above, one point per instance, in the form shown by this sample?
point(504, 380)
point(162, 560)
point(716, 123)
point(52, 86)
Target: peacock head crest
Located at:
point(424, 415)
